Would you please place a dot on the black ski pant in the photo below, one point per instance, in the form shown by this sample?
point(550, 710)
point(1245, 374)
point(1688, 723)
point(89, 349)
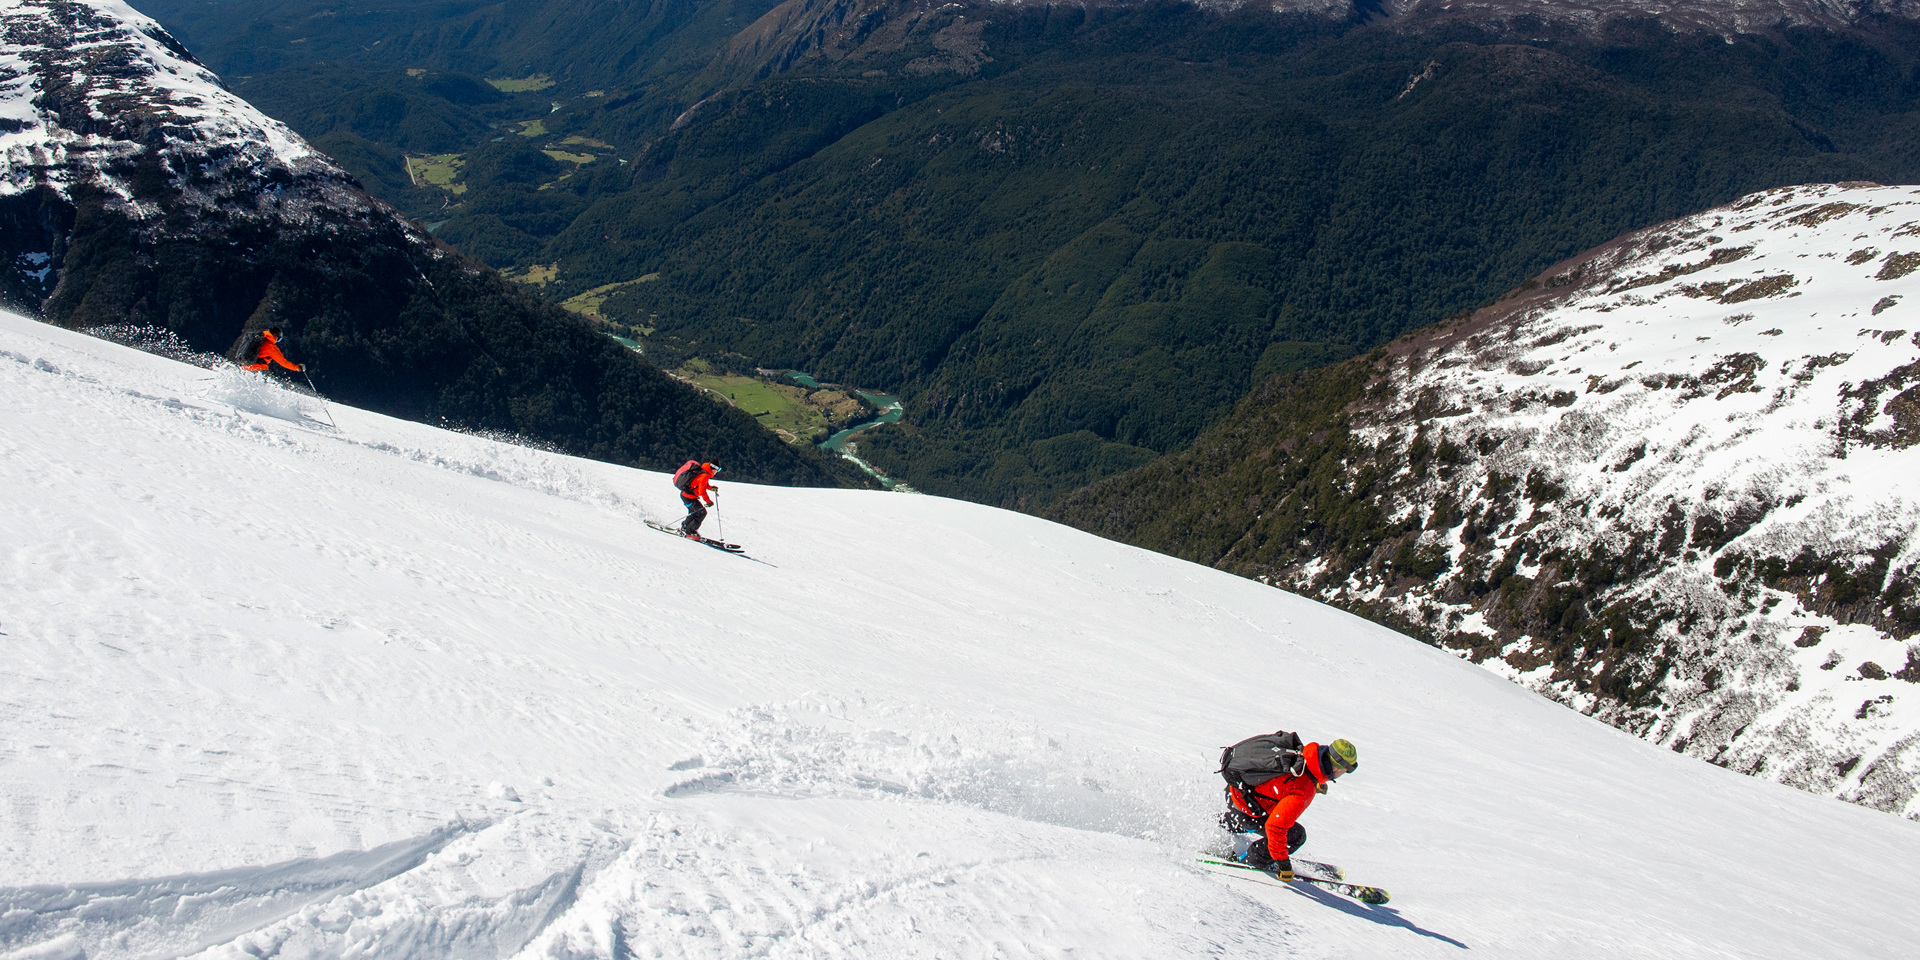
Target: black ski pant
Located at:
point(1237, 822)
point(696, 514)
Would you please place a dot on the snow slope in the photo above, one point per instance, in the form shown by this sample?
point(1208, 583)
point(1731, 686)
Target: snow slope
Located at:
point(279, 690)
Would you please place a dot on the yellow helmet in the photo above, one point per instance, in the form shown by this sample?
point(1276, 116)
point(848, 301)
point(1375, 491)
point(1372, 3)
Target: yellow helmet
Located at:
point(1343, 757)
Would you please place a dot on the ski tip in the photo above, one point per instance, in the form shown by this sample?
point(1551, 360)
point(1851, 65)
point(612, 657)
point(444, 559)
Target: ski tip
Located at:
point(1371, 896)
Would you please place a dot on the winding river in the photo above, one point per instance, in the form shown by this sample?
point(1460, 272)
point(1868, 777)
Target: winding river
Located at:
point(842, 441)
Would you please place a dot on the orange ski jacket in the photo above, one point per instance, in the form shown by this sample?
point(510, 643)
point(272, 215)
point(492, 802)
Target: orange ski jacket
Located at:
point(697, 488)
point(1281, 801)
point(270, 354)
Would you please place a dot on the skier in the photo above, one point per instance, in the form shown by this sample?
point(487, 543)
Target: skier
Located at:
point(269, 353)
point(1270, 781)
point(694, 482)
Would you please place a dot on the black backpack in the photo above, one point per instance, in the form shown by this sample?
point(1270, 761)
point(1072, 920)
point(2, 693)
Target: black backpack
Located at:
point(683, 477)
point(1255, 760)
point(248, 349)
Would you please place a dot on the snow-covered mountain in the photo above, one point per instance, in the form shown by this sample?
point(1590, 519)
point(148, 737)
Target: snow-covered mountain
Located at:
point(100, 106)
point(277, 689)
point(1669, 482)
point(90, 84)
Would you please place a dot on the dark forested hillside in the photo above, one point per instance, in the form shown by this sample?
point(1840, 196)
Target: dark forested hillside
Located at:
point(1071, 238)
point(394, 325)
point(141, 194)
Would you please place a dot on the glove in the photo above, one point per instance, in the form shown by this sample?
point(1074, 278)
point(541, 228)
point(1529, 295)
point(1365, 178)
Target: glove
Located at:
point(1281, 870)
point(303, 368)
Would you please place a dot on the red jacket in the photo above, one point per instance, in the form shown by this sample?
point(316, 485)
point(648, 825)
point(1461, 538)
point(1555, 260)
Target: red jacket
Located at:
point(697, 487)
point(1282, 800)
point(270, 354)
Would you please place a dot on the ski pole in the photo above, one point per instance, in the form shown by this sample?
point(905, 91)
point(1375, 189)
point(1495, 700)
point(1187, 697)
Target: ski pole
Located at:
point(718, 520)
point(323, 400)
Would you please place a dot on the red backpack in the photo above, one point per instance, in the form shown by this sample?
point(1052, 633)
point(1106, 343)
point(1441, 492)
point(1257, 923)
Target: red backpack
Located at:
point(685, 475)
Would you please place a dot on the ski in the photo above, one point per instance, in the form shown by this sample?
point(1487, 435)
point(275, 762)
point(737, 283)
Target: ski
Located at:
point(1311, 869)
point(1326, 871)
point(709, 541)
point(1368, 895)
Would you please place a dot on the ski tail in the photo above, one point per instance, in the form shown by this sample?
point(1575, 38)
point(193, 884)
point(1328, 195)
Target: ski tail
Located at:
point(1374, 896)
point(1312, 869)
point(709, 541)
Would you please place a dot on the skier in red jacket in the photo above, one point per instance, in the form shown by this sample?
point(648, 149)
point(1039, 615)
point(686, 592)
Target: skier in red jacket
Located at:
point(695, 496)
point(1273, 808)
point(269, 353)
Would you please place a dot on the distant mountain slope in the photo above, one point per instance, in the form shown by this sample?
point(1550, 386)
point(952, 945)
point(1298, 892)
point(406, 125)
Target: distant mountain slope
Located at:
point(136, 190)
point(1072, 236)
point(450, 699)
point(1669, 482)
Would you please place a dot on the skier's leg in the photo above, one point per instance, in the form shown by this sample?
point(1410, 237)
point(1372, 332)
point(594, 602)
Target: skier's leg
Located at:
point(1257, 855)
point(1233, 821)
point(696, 512)
point(1236, 820)
point(1296, 837)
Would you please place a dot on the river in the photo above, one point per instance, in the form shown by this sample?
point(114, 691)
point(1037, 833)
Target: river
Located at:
point(842, 441)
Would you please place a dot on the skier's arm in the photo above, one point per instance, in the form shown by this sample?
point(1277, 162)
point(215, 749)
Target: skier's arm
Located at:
point(271, 351)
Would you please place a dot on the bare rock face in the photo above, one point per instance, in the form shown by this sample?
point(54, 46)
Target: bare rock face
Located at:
point(835, 30)
point(1669, 482)
point(950, 33)
point(1723, 17)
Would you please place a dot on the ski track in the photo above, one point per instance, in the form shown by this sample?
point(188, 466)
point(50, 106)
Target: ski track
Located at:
point(277, 690)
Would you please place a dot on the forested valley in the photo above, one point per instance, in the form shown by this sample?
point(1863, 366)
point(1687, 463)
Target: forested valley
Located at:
point(1069, 238)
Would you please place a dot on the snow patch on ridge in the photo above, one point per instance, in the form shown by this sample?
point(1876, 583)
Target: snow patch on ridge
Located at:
point(1736, 394)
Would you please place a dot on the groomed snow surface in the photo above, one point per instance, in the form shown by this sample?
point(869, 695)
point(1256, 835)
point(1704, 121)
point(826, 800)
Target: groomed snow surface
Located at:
point(273, 689)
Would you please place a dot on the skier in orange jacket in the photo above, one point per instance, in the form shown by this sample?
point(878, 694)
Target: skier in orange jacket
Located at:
point(1273, 808)
point(695, 496)
point(269, 353)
